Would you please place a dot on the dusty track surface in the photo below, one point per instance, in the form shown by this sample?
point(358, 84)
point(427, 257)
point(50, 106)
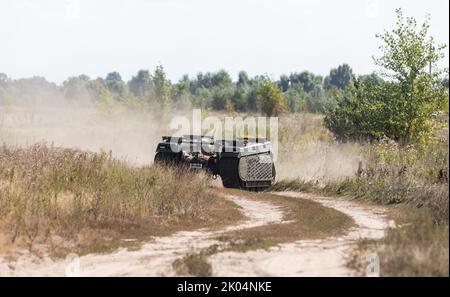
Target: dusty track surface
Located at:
point(325, 257)
point(154, 258)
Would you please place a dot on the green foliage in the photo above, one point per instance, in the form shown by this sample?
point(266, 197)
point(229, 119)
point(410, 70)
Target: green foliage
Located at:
point(355, 115)
point(296, 100)
point(270, 98)
point(340, 77)
point(160, 88)
point(75, 89)
point(305, 81)
point(303, 91)
point(243, 79)
point(219, 96)
point(410, 58)
point(140, 84)
point(284, 83)
point(402, 108)
point(240, 97)
point(180, 94)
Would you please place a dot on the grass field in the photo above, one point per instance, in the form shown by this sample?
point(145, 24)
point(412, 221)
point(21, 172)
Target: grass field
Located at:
point(70, 199)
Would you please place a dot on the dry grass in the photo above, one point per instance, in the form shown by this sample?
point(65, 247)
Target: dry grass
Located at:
point(72, 200)
point(193, 265)
point(417, 247)
point(414, 178)
point(196, 264)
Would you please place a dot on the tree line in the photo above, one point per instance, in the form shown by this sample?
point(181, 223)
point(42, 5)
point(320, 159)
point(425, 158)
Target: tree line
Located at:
point(297, 92)
point(400, 104)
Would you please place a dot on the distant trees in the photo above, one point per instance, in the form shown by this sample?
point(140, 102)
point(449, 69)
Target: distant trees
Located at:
point(3, 78)
point(270, 98)
point(113, 76)
point(243, 79)
point(296, 101)
point(221, 90)
point(284, 83)
point(296, 92)
point(32, 90)
point(160, 88)
point(305, 81)
point(372, 78)
point(221, 79)
point(75, 88)
point(154, 90)
point(116, 86)
point(180, 93)
point(399, 104)
point(339, 77)
point(140, 84)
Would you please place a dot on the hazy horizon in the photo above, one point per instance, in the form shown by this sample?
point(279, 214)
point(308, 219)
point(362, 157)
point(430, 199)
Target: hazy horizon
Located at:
point(59, 39)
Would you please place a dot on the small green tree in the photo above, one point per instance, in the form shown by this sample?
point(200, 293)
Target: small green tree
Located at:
point(402, 107)
point(139, 85)
point(270, 98)
point(339, 78)
point(296, 100)
point(359, 112)
point(116, 85)
point(161, 89)
point(410, 59)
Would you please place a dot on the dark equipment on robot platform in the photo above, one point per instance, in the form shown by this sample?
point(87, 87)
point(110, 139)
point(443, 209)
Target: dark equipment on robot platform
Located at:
point(244, 163)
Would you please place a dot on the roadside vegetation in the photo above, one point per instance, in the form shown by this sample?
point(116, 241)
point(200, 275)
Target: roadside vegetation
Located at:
point(88, 202)
point(414, 184)
point(400, 127)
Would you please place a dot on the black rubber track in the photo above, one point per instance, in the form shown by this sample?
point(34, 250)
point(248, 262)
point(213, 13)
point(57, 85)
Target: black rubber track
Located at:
point(229, 172)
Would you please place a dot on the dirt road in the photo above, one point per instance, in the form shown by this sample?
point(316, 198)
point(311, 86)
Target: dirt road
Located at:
point(153, 259)
point(301, 258)
point(324, 257)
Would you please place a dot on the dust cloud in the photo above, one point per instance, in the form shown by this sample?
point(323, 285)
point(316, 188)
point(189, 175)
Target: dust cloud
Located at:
point(319, 161)
point(131, 136)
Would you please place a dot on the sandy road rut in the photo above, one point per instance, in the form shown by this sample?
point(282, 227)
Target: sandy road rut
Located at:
point(154, 258)
point(301, 258)
point(324, 257)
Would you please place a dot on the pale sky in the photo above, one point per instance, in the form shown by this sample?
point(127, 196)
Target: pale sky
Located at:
point(61, 38)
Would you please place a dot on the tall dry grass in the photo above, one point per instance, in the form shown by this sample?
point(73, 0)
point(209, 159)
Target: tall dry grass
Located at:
point(48, 192)
point(393, 174)
point(413, 178)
